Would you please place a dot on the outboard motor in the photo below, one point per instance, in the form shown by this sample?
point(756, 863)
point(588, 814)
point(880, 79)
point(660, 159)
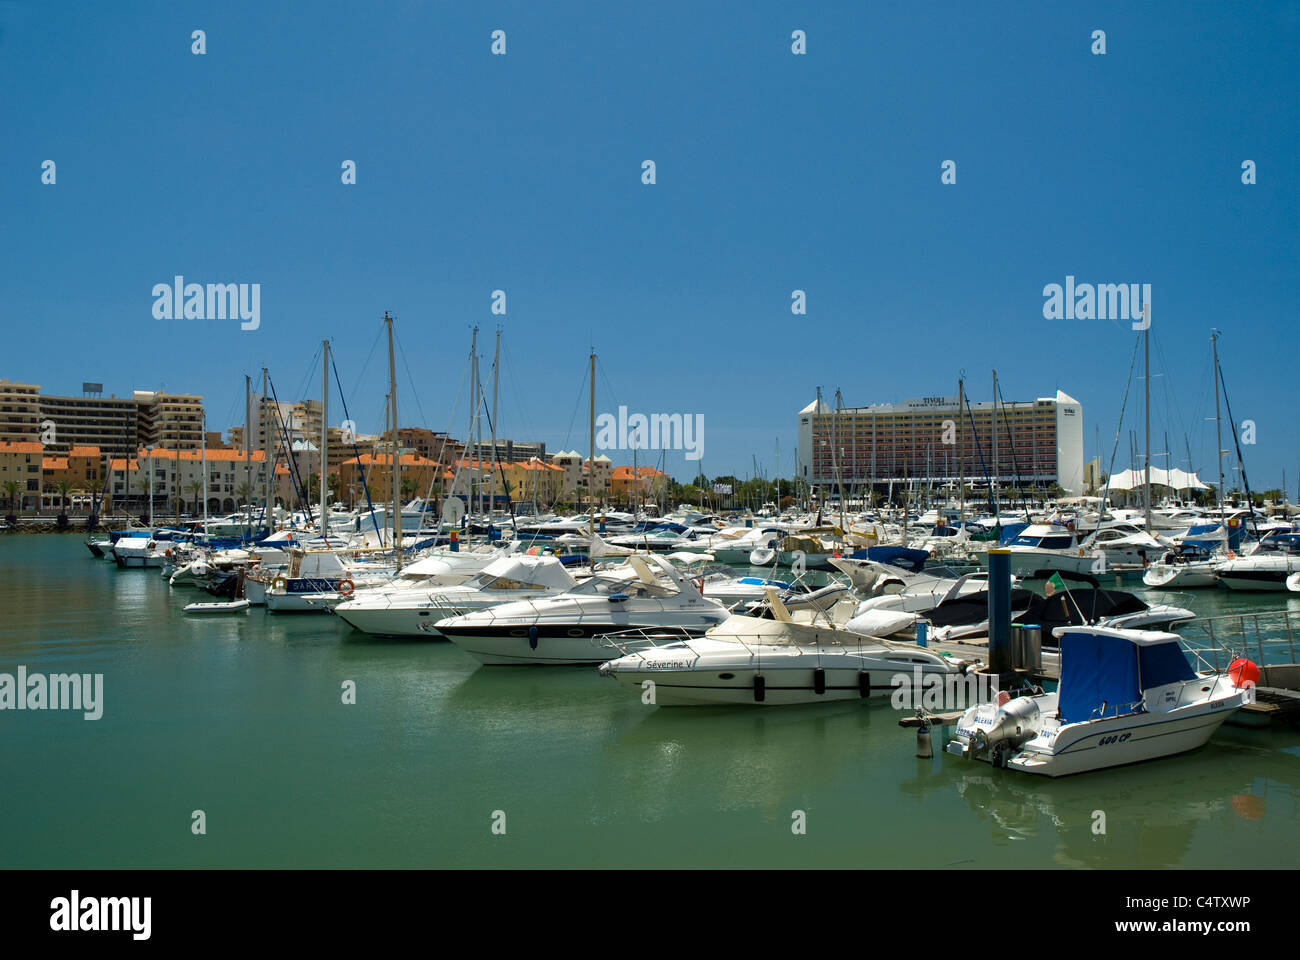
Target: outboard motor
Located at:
point(1016, 722)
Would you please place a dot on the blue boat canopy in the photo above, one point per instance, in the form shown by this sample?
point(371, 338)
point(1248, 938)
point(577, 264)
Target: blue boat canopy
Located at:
point(905, 557)
point(1104, 675)
point(1010, 531)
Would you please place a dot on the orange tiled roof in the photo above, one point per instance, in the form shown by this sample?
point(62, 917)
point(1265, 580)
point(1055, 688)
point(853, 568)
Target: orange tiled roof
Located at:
point(56, 463)
point(196, 456)
point(386, 459)
point(86, 451)
point(20, 446)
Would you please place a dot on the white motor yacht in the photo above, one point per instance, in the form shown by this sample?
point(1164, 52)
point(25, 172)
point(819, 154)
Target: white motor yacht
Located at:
point(645, 591)
point(412, 612)
point(776, 661)
point(1266, 567)
point(1124, 696)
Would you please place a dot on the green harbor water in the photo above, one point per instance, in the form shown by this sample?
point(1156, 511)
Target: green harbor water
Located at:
point(241, 717)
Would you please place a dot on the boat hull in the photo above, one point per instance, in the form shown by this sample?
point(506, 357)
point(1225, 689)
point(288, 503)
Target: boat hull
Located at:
point(1150, 738)
point(1179, 576)
point(565, 644)
point(782, 686)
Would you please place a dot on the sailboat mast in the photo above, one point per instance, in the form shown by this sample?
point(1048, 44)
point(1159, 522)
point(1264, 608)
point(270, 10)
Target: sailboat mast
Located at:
point(997, 497)
point(961, 436)
point(204, 445)
point(839, 466)
point(591, 472)
point(266, 457)
point(1146, 362)
point(473, 420)
point(397, 459)
point(492, 464)
point(324, 437)
point(1218, 424)
point(478, 434)
point(248, 457)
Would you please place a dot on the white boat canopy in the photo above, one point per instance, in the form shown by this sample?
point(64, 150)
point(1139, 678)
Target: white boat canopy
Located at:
point(530, 571)
point(1175, 479)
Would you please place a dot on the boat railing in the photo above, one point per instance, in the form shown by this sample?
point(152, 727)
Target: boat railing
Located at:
point(1121, 709)
point(1268, 637)
point(633, 641)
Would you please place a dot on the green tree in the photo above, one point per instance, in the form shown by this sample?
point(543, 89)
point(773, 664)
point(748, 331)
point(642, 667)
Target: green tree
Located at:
point(12, 488)
point(63, 488)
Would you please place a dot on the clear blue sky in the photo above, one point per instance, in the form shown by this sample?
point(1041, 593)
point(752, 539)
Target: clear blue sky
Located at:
point(774, 172)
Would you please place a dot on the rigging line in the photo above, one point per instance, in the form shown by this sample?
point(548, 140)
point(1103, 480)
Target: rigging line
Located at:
point(600, 368)
point(980, 450)
point(1170, 405)
point(1110, 469)
point(310, 377)
point(510, 500)
point(576, 404)
point(418, 406)
point(440, 466)
point(469, 436)
point(1245, 482)
point(294, 475)
point(395, 466)
point(519, 402)
point(1011, 438)
point(365, 366)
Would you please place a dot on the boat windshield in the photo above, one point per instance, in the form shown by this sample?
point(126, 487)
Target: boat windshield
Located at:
point(608, 586)
point(1045, 543)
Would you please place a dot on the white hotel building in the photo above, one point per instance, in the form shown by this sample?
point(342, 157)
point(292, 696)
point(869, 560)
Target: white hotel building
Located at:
point(1039, 443)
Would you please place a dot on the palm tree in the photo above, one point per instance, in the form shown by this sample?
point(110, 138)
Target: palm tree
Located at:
point(63, 488)
point(11, 489)
point(195, 489)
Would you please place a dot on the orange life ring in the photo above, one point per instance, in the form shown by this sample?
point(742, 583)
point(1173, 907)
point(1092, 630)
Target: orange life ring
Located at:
point(346, 587)
point(279, 583)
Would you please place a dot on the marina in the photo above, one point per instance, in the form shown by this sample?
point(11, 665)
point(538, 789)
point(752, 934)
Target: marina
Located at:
point(253, 696)
point(554, 437)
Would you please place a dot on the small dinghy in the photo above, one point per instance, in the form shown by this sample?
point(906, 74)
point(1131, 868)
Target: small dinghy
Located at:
point(233, 606)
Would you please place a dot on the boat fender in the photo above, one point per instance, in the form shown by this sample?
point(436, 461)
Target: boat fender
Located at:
point(532, 637)
point(279, 583)
point(1244, 673)
point(819, 681)
point(346, 587)
point(760, 688)
point(864, 684)
point(923, 747)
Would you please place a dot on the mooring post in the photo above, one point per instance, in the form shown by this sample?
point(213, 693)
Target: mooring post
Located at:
point(999, 611)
